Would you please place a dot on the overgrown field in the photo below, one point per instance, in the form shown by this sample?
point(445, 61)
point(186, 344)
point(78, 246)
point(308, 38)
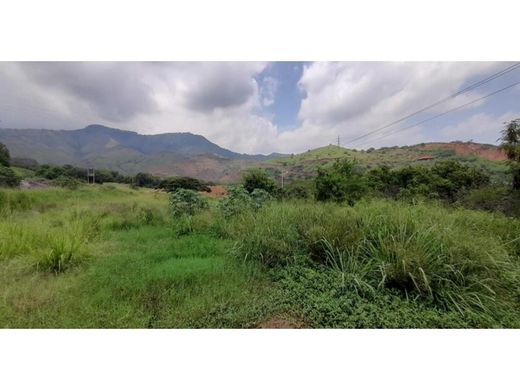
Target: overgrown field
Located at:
point(111, 256)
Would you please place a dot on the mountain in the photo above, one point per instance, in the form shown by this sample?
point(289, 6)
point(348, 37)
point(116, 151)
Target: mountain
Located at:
point(187, 154)
point(129, 152)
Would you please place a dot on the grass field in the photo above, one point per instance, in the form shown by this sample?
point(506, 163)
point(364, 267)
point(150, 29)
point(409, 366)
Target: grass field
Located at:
point(111, 256)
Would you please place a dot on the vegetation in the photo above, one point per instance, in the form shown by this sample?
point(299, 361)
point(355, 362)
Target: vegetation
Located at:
point(171, 184)
point(109, 256)
point(342, 182)
point(186, 202)
point(258, 179)
point(511, 144)
point(8, 178)
point(4, 155)
point(392, 247)
point(444, 180)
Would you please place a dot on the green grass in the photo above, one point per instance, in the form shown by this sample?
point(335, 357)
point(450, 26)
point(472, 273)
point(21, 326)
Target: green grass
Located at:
point(23, 172)
point(112, 257)
point(109, 257)
point(455, 261)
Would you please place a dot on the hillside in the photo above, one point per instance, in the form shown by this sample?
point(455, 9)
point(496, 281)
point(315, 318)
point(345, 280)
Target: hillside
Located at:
point(304, 165)
point(129, 152)
point(187, 154)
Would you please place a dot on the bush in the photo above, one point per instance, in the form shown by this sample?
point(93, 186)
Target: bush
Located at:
point(145, 180)
point(63, 254)
point(445, 180)
point(8, 178)
point(499, 199)
point(186, 202)
point(454, 260)
point(340, 183)
point(4, 156)
point(257, 179)
point(259, 197)
point(296, 191)
point(189, 183)
point(67, 182)
point(239, 200)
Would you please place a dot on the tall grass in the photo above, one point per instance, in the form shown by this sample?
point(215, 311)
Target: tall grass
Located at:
point(454, 259)
point(52, 229)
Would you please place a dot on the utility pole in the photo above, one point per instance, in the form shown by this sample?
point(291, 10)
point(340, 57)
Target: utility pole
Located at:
point(338, 142)
point(91, 177)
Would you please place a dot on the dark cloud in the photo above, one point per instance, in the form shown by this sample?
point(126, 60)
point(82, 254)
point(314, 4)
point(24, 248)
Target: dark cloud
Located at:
point(220, 85)
point(114, 90)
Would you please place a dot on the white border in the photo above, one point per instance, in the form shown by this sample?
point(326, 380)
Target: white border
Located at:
point(258, 30)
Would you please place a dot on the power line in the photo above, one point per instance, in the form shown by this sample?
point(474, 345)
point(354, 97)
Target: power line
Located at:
point(443, 113)
point(468, 88)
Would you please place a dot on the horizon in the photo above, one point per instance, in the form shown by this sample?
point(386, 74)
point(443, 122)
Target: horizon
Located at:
point(263, 108)
point(274, 152)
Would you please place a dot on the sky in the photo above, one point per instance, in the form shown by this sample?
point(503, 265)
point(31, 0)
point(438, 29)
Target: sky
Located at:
point(264, 107)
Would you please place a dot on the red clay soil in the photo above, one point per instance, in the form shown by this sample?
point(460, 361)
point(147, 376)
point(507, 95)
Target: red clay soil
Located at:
point(216, 192)
point(488, 152)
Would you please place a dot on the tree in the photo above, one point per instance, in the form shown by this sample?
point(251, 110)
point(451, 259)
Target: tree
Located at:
point(145, 180)
point(4, 155)
point(511, 145)
point(258, 179)
point(341, 182)
point(8, 178)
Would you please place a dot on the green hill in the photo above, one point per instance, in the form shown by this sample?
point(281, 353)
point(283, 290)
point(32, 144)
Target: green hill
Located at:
point(303, 166)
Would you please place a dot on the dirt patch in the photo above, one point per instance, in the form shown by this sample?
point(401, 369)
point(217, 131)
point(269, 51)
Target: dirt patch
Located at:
point(488, 152)
point(216, 192)
point(30, 184)
point(282, 322)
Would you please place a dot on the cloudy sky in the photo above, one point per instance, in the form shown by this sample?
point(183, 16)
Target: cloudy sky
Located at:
point(263, 107)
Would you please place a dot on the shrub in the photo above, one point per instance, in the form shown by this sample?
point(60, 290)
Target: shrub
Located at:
point(445, 180)
point(4, 155)
point(239, 200)
point(186, 202)
point(454, 260)
point(500, 199)
point(60, 257)
point(189, 183)
point(296, 191)
point(67, 182)
point(340, 183)
point(259, 197)
point(145, 180)
point(8, 178)
point(258, 179)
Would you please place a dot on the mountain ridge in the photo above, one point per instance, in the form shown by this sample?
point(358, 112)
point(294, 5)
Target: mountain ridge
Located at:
point(188, 154)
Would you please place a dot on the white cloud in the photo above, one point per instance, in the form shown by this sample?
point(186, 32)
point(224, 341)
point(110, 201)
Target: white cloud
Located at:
point(351, 99)
point(268, 91)
point(222, 100)
point(481, 127)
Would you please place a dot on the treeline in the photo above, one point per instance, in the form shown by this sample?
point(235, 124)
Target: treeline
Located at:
point(101, 175)
point(169, 184)
point(71, 176)
point(445, 180)
point(347, 182)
